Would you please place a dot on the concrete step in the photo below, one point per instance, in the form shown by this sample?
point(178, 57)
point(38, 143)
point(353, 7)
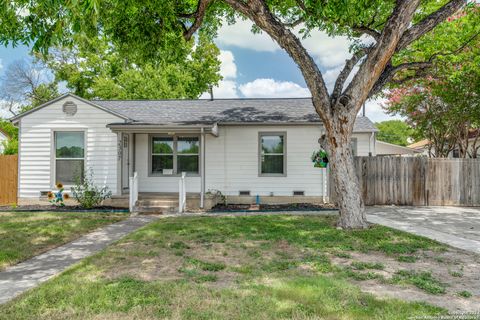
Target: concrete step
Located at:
point(155, 210)
point(158, 203)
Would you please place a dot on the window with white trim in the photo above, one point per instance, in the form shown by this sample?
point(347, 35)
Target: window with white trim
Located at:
point(69, 156)
point(174, 155)
point(272, 154)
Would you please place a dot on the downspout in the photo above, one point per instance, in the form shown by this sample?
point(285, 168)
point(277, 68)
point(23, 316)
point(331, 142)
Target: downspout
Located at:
point(202, 168)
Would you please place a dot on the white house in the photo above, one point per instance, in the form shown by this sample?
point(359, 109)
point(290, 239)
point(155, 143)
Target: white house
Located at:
point(243, 148)
point(3, 137)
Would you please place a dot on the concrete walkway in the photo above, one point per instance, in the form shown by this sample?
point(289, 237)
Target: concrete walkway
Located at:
point(30, 273)
point(455, 226)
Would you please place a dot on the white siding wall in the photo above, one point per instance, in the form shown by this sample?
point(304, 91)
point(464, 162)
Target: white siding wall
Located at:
point(36, 152)
point(232, 162)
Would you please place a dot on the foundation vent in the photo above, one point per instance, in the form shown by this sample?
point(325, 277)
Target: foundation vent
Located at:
point(298, 193)
point(244, 192)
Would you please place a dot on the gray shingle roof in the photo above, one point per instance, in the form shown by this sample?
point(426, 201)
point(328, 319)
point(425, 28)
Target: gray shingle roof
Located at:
point(221, 111)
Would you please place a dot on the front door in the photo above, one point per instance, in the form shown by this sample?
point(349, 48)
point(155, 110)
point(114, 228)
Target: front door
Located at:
point(125, 162)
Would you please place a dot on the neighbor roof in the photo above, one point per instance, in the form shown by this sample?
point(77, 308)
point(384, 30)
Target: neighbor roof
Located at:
point(420, 144)
point(221, 111)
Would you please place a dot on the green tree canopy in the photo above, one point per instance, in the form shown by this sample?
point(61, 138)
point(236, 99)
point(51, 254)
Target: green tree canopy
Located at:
point(394, 131)
point(94, 68)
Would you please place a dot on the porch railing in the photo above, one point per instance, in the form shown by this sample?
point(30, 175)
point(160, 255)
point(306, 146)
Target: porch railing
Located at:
point(133, 191)
point(182, 194)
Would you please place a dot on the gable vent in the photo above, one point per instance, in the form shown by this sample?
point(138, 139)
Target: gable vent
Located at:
point(244, 192)
point(69, 108)
point(298, 193)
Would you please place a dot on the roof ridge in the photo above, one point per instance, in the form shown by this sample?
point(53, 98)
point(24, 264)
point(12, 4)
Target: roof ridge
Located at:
point(206, 99)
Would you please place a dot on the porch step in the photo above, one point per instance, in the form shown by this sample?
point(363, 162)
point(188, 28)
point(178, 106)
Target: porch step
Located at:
point(156, 210)
point(158, 203)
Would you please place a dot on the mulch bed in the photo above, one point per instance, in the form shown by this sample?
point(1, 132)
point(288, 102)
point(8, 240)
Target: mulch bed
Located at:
point(38, 208)
point(273, 207)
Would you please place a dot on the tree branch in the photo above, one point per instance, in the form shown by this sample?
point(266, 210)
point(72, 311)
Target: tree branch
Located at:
point(430, 22)
point(198, 15)
point(366, 30)
point(347, 69)
point(390, 72)
point(380, 55)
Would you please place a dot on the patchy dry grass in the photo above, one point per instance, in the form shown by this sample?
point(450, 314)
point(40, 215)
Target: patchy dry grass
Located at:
point(26, 234)
point(261, 267)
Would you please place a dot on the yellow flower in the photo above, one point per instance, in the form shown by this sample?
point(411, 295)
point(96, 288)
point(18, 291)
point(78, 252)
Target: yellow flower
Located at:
point(50, 195)
point(59, 185)
point(66, 196)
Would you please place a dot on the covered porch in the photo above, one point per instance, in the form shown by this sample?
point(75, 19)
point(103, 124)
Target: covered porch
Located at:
point(162, 166)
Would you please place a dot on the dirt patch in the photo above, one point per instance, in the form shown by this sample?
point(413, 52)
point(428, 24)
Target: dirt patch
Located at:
point(459, 271)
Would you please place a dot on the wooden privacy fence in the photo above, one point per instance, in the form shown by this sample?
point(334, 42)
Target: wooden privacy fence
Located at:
point(8, 179)
point(418, 181)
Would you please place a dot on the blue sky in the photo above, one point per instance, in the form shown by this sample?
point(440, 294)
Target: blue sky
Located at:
point(254, 66)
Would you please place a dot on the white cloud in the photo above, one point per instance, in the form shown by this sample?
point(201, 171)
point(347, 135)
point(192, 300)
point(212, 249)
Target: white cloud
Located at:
point(1, 64)
point(228, 68)
point(269, 88)
point(226, 89)
point(240, 35)
point(327, 51)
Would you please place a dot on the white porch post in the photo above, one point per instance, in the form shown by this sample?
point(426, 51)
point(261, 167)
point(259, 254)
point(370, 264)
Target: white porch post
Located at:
point(119, 164)
point(202, 169)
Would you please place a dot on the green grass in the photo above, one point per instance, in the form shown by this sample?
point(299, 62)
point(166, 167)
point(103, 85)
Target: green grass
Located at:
point(422, 280)
point(26, 234)
point(358, 265)
point(408, 259)
point(464, 294)
point(259, 267)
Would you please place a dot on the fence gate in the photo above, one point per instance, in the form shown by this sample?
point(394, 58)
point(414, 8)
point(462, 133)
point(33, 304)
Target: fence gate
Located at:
point(8, 180)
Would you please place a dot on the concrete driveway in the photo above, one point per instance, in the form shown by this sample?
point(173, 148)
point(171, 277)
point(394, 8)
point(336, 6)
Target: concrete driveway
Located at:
point(456, 226)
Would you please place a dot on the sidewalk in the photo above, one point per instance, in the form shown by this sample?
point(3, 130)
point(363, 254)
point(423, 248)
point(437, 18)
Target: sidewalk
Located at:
point(30, 273)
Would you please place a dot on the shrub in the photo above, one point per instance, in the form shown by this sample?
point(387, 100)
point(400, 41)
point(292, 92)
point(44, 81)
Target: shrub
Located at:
point(87, 194)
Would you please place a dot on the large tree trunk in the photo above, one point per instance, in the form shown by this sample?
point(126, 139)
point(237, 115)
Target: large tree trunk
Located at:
point(345, 181)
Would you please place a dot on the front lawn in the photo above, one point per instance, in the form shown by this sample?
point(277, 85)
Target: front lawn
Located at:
point(256, 267)
point(26, 234)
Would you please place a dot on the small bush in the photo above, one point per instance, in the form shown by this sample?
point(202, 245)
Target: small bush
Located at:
point(87, 194)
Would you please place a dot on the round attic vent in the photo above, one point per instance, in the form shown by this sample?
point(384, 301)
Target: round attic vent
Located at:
point(69, 108)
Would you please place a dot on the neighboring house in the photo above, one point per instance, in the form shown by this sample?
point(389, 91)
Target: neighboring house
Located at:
point(241, 147)
point(388, 149)
point(3, 138)
point(423, 146)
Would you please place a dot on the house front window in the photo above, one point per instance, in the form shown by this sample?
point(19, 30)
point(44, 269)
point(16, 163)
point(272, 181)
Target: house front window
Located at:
point(174, 155)
point(69, 156)
point(272, 160)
